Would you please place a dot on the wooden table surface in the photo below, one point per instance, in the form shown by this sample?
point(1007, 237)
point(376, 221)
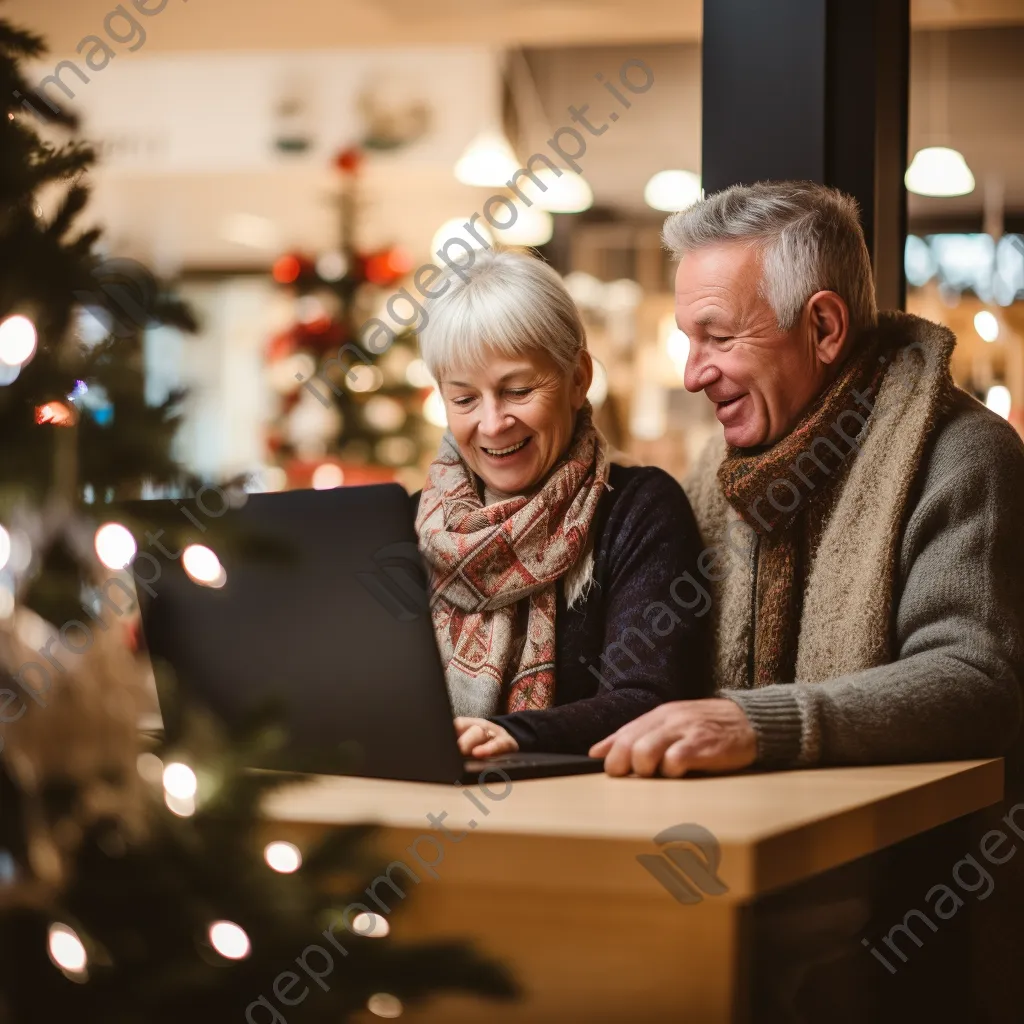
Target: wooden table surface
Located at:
point(773, 828)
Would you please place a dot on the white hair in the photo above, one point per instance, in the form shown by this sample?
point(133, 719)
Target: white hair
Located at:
point(809, 237)
point(504, 303)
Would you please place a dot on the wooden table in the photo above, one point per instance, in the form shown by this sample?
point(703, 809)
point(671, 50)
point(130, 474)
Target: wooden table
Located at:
point(546, 877)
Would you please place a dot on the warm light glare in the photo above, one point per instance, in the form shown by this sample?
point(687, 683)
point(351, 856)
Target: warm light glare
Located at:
point(998, 400)
point(531, 227)
point(417, 374)
point(986, 325)
point(384, 1004)
point(672, 190)
point(677, 344)
point(203, 566)
point(5, 547)
point(115, 546)
point(180, 781)
point(487, 161)
point(598, 391)
point(229, 940)
point(565, 193)
point(327, 475)
point(434, 411)
point(939, 171)
point(66, 949)
point(17, 340)
point(456, 229)
point(363, 377)
point(283, 857)
point(371, 925)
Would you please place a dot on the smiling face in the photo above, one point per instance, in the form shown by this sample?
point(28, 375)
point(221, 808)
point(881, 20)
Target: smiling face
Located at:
point(760, 378)
point(514, 418)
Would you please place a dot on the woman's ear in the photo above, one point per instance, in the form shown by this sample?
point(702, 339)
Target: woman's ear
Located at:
point(829, 322)
point(582, 378)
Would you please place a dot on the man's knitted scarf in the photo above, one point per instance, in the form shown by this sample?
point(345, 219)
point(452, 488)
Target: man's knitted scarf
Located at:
point(786, 492)
point(494, 570)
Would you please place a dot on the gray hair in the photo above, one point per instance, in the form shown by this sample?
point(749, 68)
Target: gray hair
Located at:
point(501, 302)
point(809, 236)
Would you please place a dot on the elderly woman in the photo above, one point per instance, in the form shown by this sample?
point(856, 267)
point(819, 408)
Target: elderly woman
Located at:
point(550, 565)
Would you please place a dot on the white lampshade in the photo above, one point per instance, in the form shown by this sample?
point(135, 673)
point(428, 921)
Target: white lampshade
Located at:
point(532, 227)
point(672, 190)
point(456, 228)
point(939, 171)
point(565, 193)
point(487, 161)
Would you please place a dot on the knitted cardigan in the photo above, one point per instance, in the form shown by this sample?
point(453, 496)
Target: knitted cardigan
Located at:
point(945, 682)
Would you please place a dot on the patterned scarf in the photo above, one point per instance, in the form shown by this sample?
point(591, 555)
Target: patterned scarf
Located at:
point(494, 571)
point(784, 492)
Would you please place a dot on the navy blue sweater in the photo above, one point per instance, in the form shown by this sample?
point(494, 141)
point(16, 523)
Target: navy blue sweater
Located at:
point(632, 643)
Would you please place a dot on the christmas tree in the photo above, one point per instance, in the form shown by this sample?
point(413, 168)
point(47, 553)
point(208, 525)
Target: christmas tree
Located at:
point(352, 388)
point(137, 882)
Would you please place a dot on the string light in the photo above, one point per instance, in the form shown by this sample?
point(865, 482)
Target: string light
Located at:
point(370, 925)
point(283, 857)
point(986, 325)
point(66, 949)
point(17, 340)
point(384, 1005)
point(327, 476)
point(5, 546)
point(180, 781)
point(203, 566)
point(999, 400)
point(229, 940)
point(115, 546)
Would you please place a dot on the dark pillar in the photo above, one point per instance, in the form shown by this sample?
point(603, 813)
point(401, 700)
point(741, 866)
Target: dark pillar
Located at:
point(814, 89)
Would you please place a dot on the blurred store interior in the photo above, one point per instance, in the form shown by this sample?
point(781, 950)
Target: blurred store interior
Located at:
point(289, 166)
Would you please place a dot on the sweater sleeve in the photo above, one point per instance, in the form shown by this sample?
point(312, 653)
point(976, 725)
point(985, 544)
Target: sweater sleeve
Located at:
point(653, 648)
point(953, 691)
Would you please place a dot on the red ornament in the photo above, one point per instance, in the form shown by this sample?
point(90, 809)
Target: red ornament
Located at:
point(291, 267)
point(387, 266)
point(348, 161)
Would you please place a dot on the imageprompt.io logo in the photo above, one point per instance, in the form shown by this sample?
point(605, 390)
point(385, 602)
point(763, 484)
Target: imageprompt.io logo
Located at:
point(687, 867)
point(399, 583)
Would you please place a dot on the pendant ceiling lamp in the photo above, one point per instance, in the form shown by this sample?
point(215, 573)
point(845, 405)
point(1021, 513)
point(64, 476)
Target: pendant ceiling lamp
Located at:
point(939, 170)
point(488, 161)
point(672, 191)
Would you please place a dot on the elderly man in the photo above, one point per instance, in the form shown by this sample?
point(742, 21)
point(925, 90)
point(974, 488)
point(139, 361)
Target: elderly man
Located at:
point(862, 516)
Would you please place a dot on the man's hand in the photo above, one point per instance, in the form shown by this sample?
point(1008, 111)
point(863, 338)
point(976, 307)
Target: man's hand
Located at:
point(480, 738)
point(712, 735)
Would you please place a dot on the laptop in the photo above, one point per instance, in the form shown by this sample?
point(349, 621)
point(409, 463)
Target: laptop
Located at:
point(329, 628)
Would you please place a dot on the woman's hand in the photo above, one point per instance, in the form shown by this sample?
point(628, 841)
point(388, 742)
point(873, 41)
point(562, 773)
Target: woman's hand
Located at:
point(480, 738)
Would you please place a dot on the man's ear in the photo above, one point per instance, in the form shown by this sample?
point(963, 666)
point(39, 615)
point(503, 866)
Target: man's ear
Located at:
point(829, 323)
point(582, 378)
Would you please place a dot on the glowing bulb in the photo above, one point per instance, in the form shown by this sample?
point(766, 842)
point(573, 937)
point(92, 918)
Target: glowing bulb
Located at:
point(487, 161)
point(5, 547)
point(331, 266)
point(229, 940)
point(283, 857)
point(17, 340)
point(532, 227)
point(370, 925)
point(66, 949)
point(986, 325)
point(998, 400)
point(939, 171)
point(672, 190)
point(456, 229)
point(434, 411)
point(115, 546)
point(180, 781)
point(384, 1005)
point(203, 566)
point(328, 475)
